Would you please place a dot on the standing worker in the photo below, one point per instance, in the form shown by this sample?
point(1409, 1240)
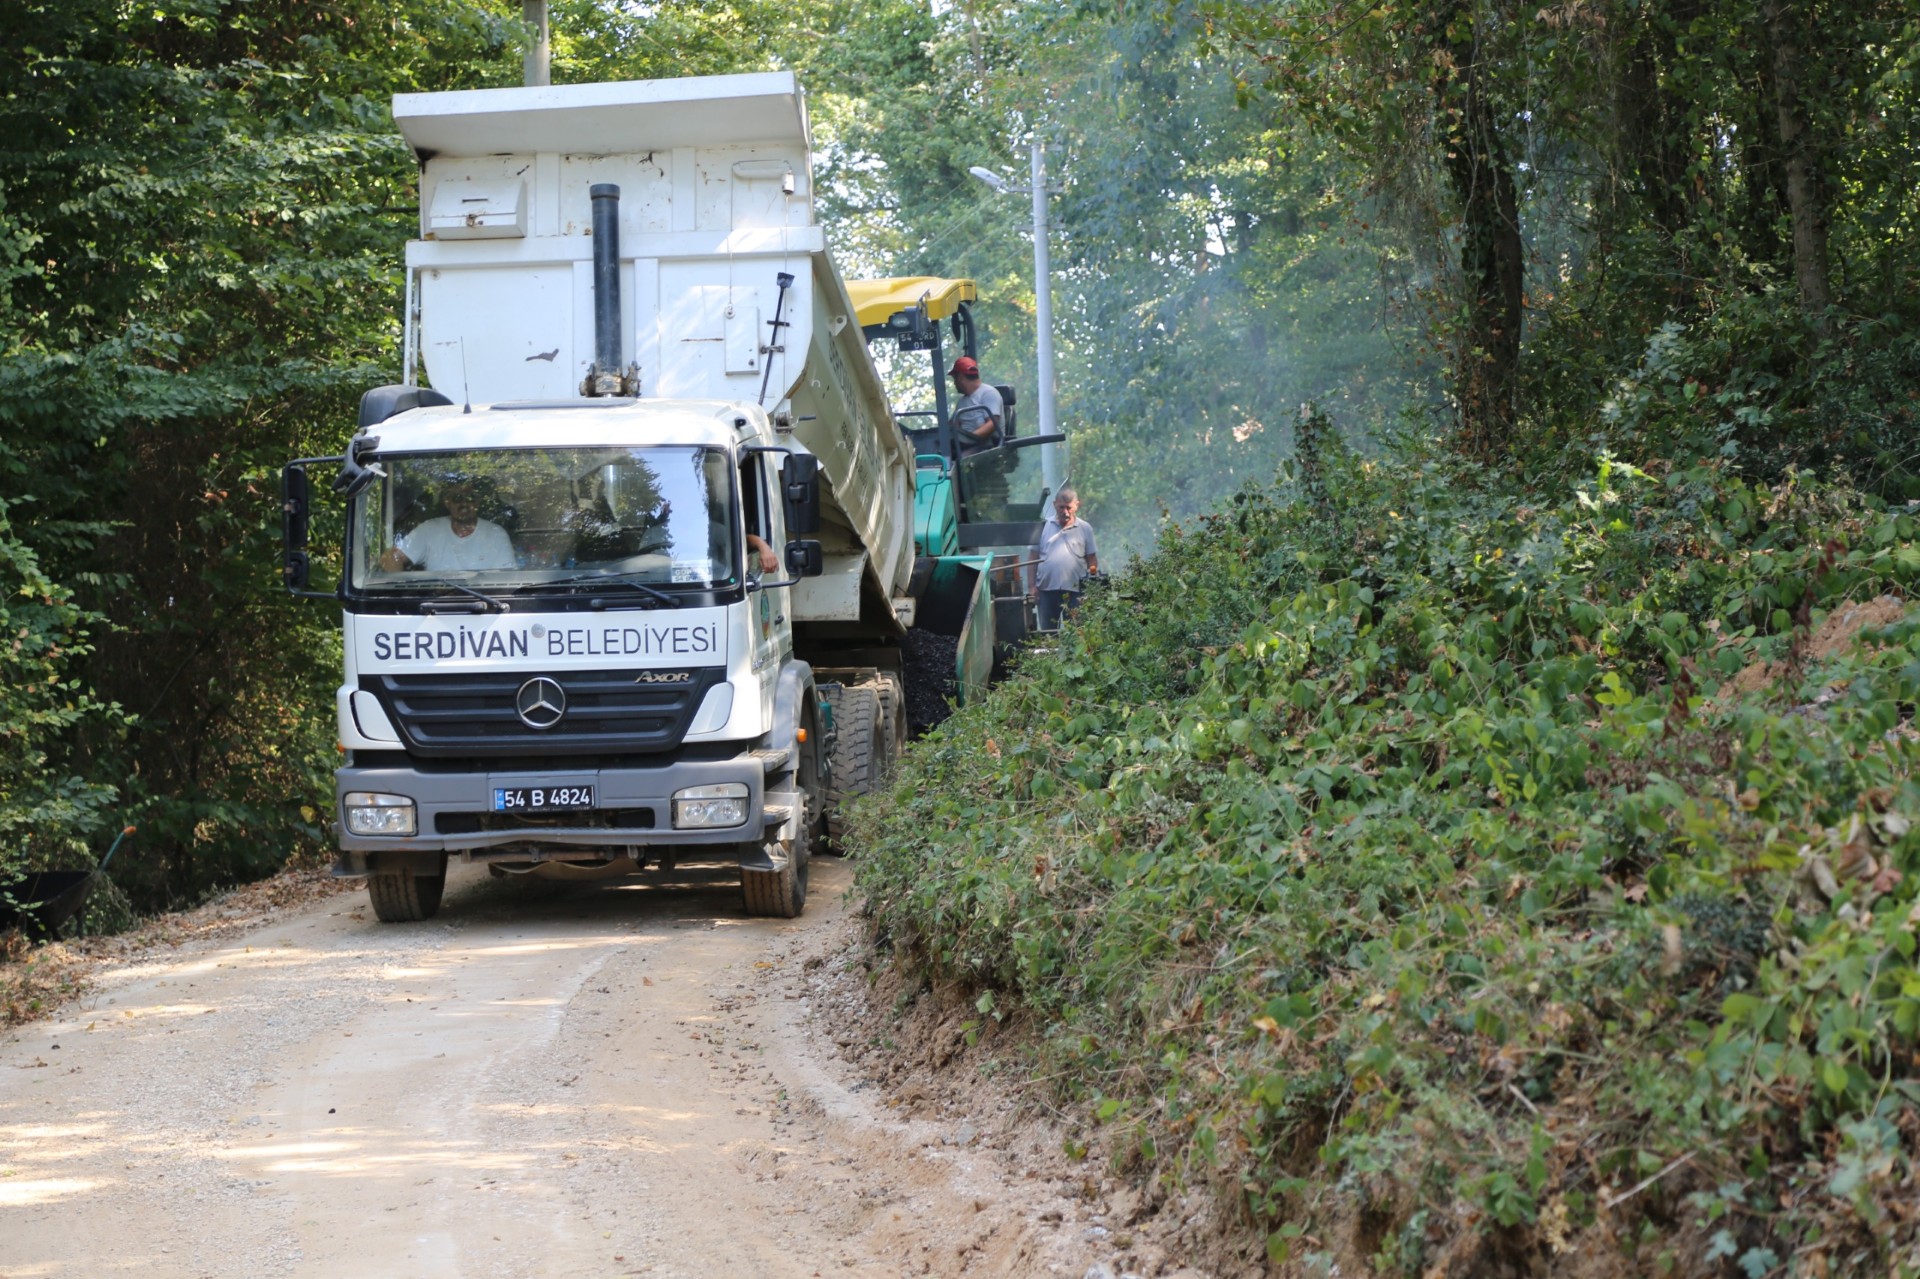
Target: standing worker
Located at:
point(1066, 555)
point(977, 417)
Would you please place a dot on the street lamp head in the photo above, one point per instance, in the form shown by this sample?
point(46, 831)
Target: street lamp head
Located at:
point(991, 178)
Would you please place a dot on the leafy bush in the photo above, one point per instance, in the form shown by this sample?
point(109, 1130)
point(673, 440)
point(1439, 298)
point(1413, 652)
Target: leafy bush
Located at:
point(46, 811)
point(1493, 871)
point(1753, 382)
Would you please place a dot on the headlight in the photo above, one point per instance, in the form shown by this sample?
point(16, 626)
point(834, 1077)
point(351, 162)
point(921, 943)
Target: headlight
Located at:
point(698, 807)
point(374, 813)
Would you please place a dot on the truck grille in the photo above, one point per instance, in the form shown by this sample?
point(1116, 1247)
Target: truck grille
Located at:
point(474, 823)
point(607, 712)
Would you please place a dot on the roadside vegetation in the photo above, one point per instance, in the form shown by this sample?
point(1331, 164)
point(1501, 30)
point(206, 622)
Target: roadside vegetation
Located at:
point(1465, 874)
point(1487, 848)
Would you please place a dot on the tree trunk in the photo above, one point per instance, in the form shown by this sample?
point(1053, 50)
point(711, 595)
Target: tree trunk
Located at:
point(1806, 207)
point(1656, 130)
point(1486, 355)
point(1658, 134)
point(1247, 233)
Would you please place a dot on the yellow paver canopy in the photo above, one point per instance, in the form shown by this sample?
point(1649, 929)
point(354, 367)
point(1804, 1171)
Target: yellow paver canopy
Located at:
point(876, 300)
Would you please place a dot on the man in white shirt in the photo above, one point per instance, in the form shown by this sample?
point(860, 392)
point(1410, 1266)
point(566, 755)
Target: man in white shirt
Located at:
point(460, 539)
point(1066, 555)
point(977, 417)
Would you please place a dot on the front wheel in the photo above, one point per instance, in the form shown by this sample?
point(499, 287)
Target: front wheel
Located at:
point(408, 895)
point(782, 893)
point(779, 894)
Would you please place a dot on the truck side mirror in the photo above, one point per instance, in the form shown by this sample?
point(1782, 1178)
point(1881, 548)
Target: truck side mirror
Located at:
point(805, 559)
point(296, 500)
point(296, 518)
point(296, 503)
point(800, 488)
point(356, 472)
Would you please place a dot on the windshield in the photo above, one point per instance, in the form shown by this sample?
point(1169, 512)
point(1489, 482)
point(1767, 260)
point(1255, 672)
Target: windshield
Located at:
point(1004, 485)
point(503, 519)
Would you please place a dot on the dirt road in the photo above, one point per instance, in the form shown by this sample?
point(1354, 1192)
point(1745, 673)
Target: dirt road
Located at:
point(549, 1079)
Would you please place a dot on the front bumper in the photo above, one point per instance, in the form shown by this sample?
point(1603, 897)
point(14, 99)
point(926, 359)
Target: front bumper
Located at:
point(454, 811)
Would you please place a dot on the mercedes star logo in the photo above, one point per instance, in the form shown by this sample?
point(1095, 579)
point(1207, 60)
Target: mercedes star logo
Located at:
point(541, 702)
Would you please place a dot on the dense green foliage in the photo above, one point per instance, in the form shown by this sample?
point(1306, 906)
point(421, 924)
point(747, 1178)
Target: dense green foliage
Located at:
point(1345, 874)
point(203, 208)
point(43, 811)
point(1405, 863)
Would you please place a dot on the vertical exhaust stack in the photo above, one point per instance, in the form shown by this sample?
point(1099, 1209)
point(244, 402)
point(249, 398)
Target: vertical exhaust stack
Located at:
point(606, 377)
point(537, 67)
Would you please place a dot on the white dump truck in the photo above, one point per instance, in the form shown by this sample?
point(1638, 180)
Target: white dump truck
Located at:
point(629, 575)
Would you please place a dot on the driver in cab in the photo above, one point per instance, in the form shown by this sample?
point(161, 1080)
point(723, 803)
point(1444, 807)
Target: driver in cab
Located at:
point(977, 417)
point(460, 539)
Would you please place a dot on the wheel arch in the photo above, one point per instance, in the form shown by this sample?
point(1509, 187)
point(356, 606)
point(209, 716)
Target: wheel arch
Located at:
point(791, 694)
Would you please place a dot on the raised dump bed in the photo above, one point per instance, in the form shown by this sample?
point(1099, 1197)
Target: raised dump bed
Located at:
point(715, 209)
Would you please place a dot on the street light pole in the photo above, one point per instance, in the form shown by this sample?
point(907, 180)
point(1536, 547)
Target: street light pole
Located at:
point(1043, 304)
point(537, 66)
point(1043, 319)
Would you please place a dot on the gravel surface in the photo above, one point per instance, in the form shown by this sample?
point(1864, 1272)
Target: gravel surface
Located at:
point(930, 678)
point(608, 1078)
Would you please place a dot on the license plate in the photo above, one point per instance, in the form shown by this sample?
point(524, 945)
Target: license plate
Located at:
point(542, 799)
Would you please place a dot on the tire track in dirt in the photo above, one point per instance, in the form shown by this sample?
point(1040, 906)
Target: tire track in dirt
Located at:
point(603, 1078)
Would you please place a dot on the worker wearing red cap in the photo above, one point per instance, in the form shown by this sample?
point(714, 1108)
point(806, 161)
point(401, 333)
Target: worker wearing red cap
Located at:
point(977, 417)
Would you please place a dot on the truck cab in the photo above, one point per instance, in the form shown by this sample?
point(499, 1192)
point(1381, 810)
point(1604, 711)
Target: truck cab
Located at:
point(628, 572)
point(598, 662)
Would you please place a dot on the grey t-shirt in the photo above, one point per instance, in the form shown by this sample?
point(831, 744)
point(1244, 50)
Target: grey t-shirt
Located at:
point(1064, 553)
point(974, 408)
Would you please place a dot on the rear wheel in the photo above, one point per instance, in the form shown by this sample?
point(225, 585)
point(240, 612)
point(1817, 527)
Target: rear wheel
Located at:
point(893, 720)
point(858, 739)
point(408, 895)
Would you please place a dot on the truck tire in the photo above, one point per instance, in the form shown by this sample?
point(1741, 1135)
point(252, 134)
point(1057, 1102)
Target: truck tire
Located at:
point(858, 738)
point(782, 894)
point(893, 718)
point(406, 896)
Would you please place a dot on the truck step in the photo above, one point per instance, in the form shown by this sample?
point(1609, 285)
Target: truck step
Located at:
point(777, 814)
point(772, 761)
